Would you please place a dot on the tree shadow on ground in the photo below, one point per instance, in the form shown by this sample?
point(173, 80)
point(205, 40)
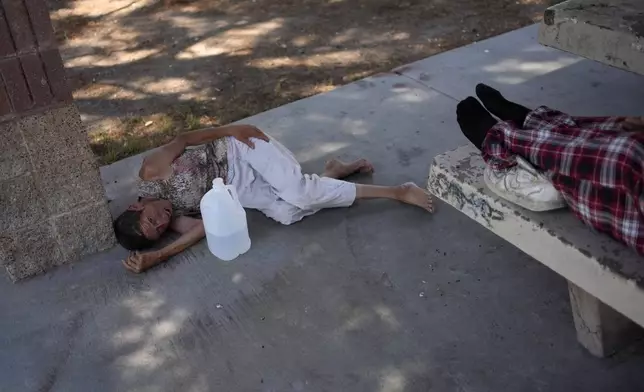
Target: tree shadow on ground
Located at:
point(333, 303)
point(220, 61)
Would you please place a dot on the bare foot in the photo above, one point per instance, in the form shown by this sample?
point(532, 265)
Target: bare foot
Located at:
point(338, 169)
point(411, 193)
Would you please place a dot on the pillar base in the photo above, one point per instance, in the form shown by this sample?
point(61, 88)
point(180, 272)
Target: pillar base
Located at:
point(600, 329)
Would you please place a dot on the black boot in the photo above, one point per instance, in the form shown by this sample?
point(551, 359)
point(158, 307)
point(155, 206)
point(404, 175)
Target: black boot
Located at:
point(501, 107)
point(474, 120)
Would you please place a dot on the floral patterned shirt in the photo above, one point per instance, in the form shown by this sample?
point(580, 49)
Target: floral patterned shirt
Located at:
point(192, 175)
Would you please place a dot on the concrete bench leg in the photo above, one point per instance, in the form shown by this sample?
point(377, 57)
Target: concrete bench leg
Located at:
point(602, 330)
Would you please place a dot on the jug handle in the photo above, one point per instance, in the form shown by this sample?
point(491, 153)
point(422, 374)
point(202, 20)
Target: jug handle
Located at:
point(233, 192)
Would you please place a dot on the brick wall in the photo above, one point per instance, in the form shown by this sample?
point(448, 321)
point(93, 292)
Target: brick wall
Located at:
point(32, 75)
point(52, 203)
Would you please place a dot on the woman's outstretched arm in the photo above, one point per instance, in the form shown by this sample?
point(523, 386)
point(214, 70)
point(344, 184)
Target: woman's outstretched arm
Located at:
point(192, 231)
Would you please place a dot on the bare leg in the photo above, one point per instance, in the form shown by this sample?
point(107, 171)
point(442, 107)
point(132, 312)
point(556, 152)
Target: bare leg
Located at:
point(408, 193)
point(338, 169)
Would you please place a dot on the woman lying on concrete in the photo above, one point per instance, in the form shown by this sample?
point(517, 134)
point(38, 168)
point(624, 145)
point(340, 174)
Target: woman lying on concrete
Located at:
point(265, 174)
point(537, 158)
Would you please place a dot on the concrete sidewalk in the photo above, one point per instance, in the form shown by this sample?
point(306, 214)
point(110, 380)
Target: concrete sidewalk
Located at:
point(380, 297)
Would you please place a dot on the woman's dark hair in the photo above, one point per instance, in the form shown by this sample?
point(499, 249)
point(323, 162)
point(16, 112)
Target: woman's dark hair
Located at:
point(127, 228)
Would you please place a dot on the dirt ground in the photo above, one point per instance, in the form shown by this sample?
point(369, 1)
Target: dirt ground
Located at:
point(145, 70)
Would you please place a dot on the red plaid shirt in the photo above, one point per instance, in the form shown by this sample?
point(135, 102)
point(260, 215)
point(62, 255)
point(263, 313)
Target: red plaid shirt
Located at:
point(596, 165)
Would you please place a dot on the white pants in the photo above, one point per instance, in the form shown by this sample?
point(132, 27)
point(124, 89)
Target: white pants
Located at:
point(269, 179)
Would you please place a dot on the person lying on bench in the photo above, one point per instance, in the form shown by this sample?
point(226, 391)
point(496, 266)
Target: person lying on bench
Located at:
point(536, 157)
point(266, 175)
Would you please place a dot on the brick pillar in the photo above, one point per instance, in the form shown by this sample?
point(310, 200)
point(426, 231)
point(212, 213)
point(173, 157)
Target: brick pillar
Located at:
point(52, 204)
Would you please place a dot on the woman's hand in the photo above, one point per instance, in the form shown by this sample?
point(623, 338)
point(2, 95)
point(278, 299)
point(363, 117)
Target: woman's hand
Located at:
point(244, 133)
point(634, 123)
point(138, 262)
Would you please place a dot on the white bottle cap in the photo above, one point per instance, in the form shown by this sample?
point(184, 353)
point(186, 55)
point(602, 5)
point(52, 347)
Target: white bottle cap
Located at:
point(218, 183)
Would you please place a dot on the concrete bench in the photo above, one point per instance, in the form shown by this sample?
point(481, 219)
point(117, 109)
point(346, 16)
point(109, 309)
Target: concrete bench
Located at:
point(608, 31)
point(605, 278)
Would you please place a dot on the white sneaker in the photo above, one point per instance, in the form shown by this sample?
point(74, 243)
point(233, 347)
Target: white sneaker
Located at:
point(524, 186)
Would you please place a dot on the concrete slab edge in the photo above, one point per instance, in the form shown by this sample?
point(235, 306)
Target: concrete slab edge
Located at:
point(613, 48)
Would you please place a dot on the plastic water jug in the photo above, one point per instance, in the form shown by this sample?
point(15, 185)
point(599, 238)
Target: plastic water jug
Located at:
point(224, 219)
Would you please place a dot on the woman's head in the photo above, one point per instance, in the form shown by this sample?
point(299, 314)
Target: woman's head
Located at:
point(143, 223)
